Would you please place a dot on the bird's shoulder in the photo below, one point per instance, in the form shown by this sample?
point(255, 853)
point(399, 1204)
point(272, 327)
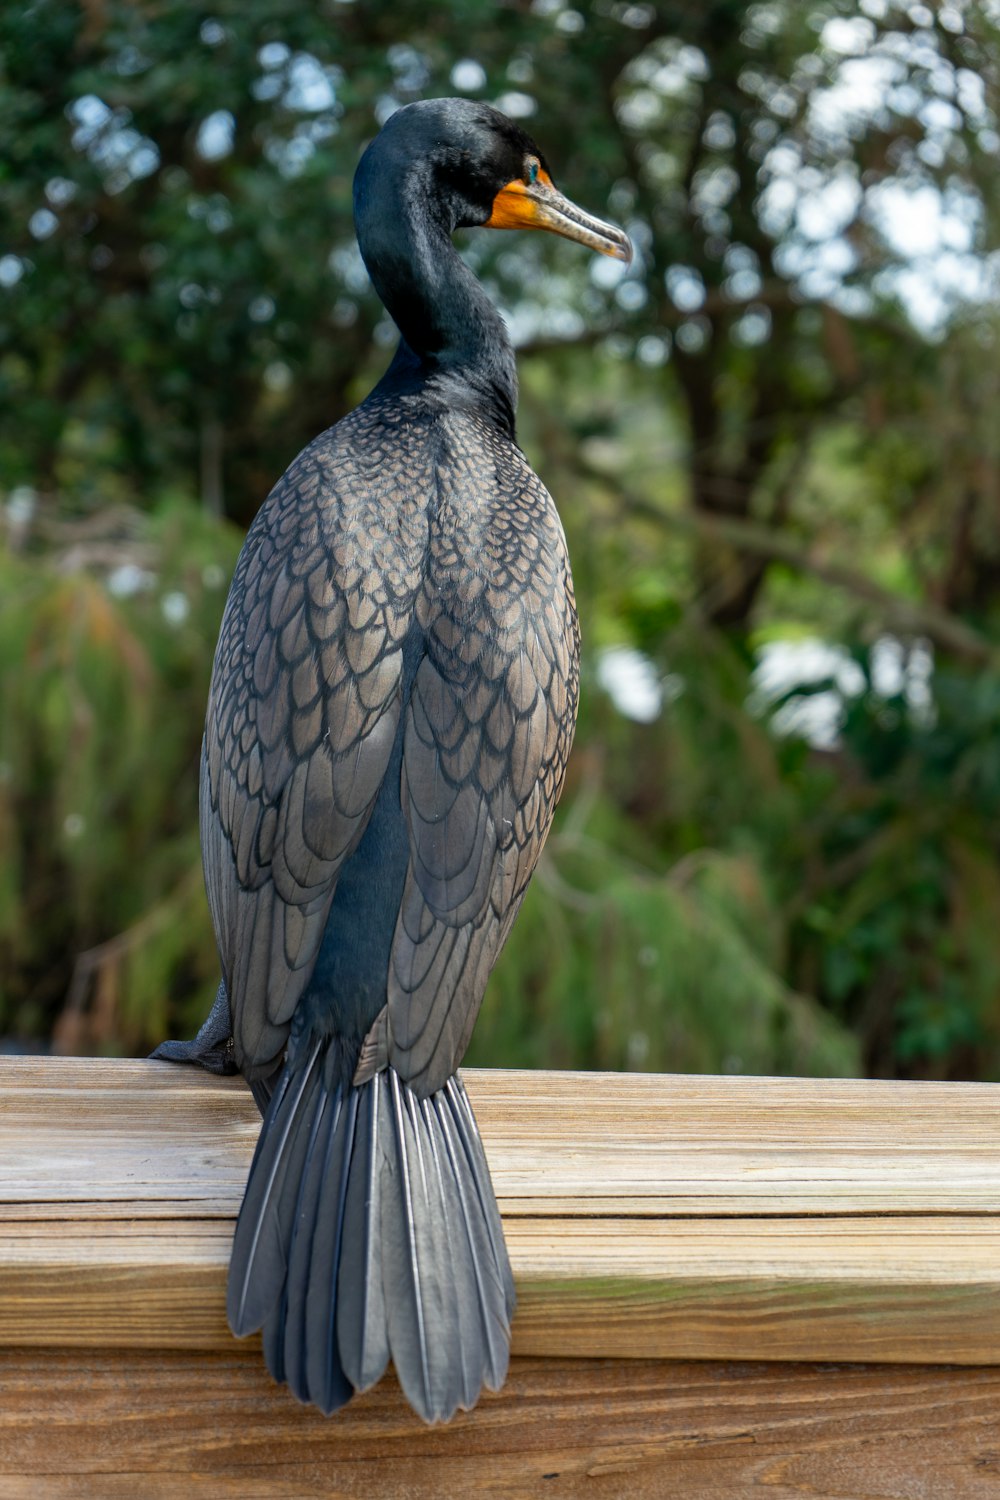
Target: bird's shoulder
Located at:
point(497, 565)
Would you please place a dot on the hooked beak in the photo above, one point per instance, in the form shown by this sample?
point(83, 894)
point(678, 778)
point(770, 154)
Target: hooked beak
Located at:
point(540, 205)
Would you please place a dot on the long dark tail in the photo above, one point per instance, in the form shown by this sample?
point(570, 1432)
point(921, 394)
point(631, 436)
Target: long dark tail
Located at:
point(369, 1228)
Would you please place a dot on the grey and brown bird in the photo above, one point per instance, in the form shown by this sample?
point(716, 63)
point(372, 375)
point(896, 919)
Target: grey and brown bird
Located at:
point(391, 711)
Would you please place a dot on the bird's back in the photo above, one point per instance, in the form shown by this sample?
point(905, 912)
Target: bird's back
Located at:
point(391, 712)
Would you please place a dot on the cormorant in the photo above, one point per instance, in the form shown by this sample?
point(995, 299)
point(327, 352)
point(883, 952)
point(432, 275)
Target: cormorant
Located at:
point(391, 711)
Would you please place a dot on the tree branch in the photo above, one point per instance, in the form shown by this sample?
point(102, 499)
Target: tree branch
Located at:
point(906, 615)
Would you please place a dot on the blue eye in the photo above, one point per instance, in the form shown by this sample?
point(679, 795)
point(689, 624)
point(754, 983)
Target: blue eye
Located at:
point(532, 172)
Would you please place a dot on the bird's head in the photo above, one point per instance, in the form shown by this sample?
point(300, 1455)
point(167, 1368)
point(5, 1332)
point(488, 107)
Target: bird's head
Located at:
point(476, 166)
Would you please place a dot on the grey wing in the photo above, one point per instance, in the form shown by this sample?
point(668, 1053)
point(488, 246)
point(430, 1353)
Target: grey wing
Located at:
point(488, 733)
point(303, 711)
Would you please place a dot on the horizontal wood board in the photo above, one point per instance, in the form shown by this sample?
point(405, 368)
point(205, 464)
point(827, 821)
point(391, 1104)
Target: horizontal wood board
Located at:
point(654, 1216)
point(182, 1426)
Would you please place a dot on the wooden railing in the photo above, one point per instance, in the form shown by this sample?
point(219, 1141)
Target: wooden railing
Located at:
point(775, 1228)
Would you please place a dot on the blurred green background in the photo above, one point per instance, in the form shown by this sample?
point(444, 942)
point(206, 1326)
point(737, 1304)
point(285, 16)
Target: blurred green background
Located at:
point(775, 444)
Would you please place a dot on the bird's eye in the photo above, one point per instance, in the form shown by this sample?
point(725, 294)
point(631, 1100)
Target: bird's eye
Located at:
point(530, 170)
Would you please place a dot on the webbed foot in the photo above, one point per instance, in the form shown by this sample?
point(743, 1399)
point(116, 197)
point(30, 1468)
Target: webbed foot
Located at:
point(212, 1048)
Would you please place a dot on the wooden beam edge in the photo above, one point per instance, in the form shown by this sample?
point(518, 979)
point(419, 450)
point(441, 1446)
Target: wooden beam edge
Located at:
point(137, 1289)
point(906, 1288)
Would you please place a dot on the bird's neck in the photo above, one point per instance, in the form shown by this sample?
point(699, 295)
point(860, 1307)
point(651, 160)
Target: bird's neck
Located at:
point(454, 342)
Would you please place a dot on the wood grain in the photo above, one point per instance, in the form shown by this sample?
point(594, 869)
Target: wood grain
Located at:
point(101, 1134)
point(733, 1219)
point(211, 1427)
point(844, 1289)
point(646, 1216)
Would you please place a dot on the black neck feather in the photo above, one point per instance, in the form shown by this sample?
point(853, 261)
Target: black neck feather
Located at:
point(454, 342)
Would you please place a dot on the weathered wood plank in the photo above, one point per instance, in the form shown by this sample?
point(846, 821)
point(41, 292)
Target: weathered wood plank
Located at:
point(189, 1427)
point(86, 1136)
point(682, 1217)
point(756, 1288)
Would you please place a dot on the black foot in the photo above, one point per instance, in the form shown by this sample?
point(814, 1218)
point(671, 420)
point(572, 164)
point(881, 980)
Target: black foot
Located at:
point(212, 1048)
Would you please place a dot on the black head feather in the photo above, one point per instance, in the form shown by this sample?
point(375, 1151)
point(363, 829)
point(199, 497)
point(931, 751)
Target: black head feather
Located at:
point(454, 154)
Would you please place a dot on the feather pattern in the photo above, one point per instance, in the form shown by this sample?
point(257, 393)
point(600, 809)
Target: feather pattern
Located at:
point(328, 1385)
point(362, 1337)
point(403, 1226)
point(292, 1333)
point(489, 1273)
point(469, 1362)
point(256, 1269)
point(475, 1156)
point(369, 1229)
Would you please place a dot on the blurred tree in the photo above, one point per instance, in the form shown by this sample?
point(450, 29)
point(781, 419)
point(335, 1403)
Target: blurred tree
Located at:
point(181, 271)
point(782, 423)
point(769, 148)
point(105, 651)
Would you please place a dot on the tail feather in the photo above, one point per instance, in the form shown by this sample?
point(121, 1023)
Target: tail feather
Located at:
point(422, 1316)
point(369, 1228)
point(290, 1207)
point(466, 1275)
point(291, 1330)
point(490, 1304)
point(362, 1335)
point(468, 1132)
point(257, 1267)
point(327, 1383)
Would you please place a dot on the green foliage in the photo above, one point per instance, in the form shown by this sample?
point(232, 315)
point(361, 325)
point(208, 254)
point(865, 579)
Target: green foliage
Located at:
point(656, 973)
point(101, 700)
point(764, 434)
point(898, 923)
point(175, 201)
